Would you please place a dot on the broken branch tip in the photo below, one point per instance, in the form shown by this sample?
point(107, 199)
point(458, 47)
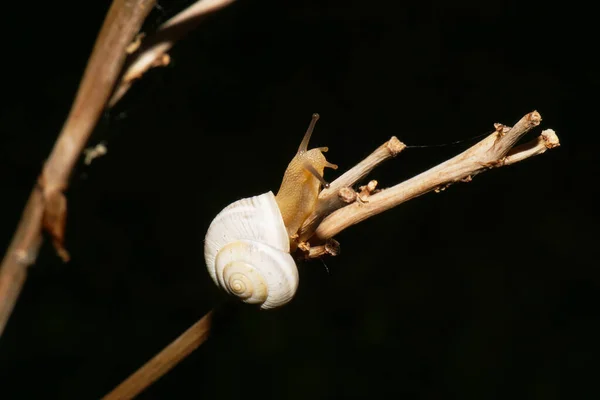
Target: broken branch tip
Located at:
point(550, 138)
point(395, 146)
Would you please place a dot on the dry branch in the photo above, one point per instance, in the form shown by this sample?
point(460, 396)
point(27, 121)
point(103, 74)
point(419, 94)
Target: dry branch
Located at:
point(153, 51)
point(164, 361)
point(46, 207)
point(495, 150)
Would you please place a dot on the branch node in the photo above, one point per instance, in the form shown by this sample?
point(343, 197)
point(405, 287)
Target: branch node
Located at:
point(441, 188)
point(366, 191)
point(501, 129)
point(347, 195)
point(135, 44)
point(54, 215)
point(304, 246)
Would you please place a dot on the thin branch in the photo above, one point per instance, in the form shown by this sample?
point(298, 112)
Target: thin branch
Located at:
point(494, 151)
point(164, 361)
point(388, 150)
point(153, 51)
point(46, 207)
point(547, 140)
point(339, 193)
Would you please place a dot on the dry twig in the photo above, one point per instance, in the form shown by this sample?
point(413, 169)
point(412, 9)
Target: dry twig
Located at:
point(164, 361)
point(495, 150)
point(153, 52)
point(46, 207)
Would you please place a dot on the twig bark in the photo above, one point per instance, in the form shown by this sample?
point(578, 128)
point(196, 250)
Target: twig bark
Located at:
point(164, 361)
point(46, 207)
point(495, 150)
point(153, 51)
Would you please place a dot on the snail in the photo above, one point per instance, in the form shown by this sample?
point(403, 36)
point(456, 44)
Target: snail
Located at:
point(247, 246)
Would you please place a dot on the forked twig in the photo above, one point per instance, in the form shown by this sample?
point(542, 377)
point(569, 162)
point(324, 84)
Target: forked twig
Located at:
point(47, 205)
point(153, 51)
point(496, 150)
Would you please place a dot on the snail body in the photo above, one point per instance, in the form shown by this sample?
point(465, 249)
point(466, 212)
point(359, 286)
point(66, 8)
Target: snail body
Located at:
point(302, 181)
point(247, 245)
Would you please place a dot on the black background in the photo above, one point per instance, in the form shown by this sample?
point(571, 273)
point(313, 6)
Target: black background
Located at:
point(488, 290)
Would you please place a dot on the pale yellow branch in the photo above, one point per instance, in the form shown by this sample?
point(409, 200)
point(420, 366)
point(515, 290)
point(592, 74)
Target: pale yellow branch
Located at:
point(493, 151)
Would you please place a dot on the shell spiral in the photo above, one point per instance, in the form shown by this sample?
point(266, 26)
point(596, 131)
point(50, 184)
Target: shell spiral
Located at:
point(246, 250)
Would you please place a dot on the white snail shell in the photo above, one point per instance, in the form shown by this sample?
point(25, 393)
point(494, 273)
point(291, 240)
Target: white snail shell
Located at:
point(247, 252)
